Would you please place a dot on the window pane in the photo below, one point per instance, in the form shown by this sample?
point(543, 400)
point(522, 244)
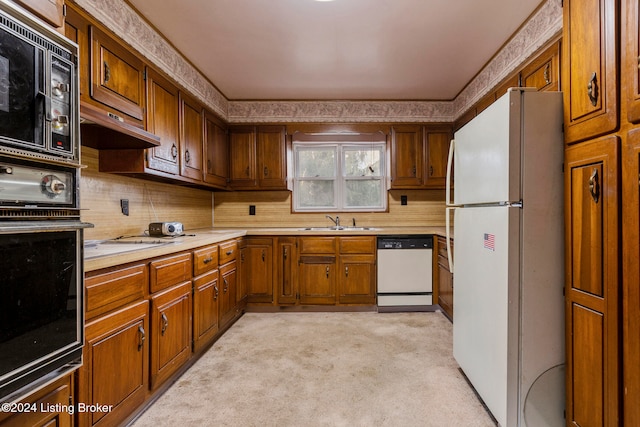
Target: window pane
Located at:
point(320, 162)
point(363, 161)
point(316, 193)
point(363, 193)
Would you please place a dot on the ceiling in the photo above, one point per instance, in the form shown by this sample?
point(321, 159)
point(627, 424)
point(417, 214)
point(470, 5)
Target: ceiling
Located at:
point(338, 50)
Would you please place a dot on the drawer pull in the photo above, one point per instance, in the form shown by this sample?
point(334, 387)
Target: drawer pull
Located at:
point(165, 323)
point(229, 252)
point(141, 337)
point(207, 260)
point(226, 285)
point(346, 271)
point(327, 272)
point(215, 292)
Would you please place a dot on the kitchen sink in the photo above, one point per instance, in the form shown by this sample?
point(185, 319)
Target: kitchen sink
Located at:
point(98, 248)
point(337, 228)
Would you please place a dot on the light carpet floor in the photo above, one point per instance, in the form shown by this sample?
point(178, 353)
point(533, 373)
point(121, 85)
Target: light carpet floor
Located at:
point(325, 369)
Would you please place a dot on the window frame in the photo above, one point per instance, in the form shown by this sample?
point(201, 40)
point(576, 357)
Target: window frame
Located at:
point(339, 178)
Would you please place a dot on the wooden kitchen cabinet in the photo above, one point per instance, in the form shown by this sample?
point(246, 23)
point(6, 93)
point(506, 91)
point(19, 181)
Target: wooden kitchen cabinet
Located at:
point(163, 106)
point(407, 148)
point(357, 270)
point(170, 270)
point(53, 399)
point(257, 157)
point(543, 73)
point(317, 270)
point(206, 293)
point(256, 269)
point(286, 258)
point(436, 156)
point(191, 137)
point(216, 151)
point(117, 75)
point(630, 74)
point(227, 303)
point(51, 11)
point(115, 368)
point(170, 331)
point(444, 278)
point(590, 69)
point(592, 283)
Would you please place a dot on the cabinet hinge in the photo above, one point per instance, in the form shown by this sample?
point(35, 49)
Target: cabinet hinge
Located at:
point(144, 74)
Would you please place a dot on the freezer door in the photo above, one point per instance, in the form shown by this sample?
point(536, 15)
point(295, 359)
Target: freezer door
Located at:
point(486, 293)
point(487, 155)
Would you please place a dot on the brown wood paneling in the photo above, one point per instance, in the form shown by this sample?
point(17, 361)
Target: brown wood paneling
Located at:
point(317, 245)
point(357, 245)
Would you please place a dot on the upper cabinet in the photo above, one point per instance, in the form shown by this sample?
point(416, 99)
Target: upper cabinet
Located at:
point(631, 61)
point(117, 75)
point(589, 72)
point(216, 151)
point(543, 73)
point(257, 158)
point(419, 156)
point(191, 137)
point(50, 11)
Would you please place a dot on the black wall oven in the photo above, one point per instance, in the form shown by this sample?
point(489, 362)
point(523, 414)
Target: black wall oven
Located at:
point(41, 234)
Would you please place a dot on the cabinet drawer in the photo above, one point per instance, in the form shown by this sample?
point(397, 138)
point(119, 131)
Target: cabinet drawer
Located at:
point(170, 271)
point(113, 289)
point(205, 259)
point(318, 245)
point(357, 245)
point(228, 252)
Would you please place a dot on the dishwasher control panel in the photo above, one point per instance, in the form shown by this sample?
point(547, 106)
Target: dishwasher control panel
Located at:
point(405, 242)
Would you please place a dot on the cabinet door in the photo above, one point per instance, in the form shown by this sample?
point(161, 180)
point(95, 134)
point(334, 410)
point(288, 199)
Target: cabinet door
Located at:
point(50, 11)
point(162, 120)
point(228, 276)
point(117, 75)
point(589, 79)
point(257, 270)
point(630, 75)
point(406, 156)
point(171, 331)
point(591, 209)
point(242, 157)
point(445, 287)
point(50, 403)
point(205, 309)
point(115, 364)
point(216, 148)
point(191, 138)
point(631, 274)
point(286, 282)
point(357, 282)
point(271, 149)
point(317, 275)
point(544, 72)
point(437, 153)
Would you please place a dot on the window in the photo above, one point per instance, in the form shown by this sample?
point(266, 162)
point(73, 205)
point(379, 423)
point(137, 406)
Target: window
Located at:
point(339, 176)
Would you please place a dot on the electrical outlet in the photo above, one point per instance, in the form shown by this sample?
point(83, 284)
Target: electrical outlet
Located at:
point(403, 200)
point(124, 206)
point(252, 209)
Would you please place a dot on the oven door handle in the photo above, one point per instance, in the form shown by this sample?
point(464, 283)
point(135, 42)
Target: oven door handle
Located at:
point(29, 226)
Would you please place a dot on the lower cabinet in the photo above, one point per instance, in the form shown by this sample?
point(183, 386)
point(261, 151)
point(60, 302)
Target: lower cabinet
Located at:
point(317, 279)
point(115, 370)
point(286, 259)
point(170, 331)
point(357, 270)
point(256, 269)
point(206, 292)
point(54, 398)
point(444, 278)
point(228, 305)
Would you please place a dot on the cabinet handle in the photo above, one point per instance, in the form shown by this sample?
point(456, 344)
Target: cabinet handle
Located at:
point(594, 186)
point(266, 171)
point(187, 156)
point(430, 170)
point(229, 253)
point(346, 271)
point(165, 323)
point(263, 255)
point(107, 72)
point(284, 253)
point(207, 260)
point(208, 165)
point(141, 337)
point(247, 171)
point(215, 292)
point(547, 74)
point(226, 285)
point(174, 151)
point(414, 171)
point(592, 89)
point(327, 271)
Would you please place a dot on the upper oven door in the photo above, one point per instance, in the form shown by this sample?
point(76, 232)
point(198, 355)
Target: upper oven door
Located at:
point(22, 90)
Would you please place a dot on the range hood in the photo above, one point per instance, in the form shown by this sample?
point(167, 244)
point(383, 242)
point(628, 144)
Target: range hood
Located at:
point(105, 131)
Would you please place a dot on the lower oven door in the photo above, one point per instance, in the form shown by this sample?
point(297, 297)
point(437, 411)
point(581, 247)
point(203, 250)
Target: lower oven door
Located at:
point(41, 308)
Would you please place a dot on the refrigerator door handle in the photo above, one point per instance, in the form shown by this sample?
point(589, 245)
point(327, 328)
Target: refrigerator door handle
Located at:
point(449, 167)
point(447, 222)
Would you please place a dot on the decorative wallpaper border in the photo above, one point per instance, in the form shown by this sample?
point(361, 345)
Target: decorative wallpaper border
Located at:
point(542, 27)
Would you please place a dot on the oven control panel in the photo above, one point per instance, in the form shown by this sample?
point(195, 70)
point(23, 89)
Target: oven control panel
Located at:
point(28, 186)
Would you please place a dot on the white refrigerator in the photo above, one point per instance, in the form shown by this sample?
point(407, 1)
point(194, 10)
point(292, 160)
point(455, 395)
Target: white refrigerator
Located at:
point(508, 259)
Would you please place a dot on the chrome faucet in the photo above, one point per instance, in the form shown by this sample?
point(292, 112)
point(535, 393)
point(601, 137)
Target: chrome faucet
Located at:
point(335, 221)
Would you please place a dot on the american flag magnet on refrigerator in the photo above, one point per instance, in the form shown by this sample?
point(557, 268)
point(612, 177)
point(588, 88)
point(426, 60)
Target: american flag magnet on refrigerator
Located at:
point(490, 241)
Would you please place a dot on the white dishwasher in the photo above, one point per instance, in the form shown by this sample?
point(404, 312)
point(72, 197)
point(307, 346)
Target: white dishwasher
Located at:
point(405, 266)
